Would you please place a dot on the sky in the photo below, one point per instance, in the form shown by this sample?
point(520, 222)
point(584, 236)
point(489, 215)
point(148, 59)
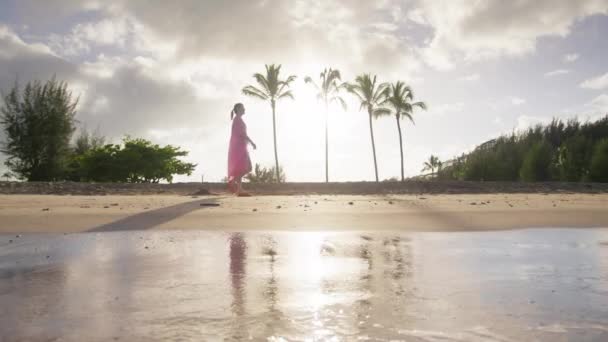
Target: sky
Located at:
point(170, 71)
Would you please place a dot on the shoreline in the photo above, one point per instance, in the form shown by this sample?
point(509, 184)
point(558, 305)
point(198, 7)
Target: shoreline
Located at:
point(370, 213)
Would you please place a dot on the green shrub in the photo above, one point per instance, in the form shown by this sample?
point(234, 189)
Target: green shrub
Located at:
point(536, 163)
point(599, 162)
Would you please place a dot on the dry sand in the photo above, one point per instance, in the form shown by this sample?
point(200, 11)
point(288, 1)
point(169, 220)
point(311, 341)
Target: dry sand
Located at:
point(57, 214)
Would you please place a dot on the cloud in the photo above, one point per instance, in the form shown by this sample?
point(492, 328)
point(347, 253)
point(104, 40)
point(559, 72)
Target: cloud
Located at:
point(517, 101)
point(446, 108)
point(557, 72)
point(493, 28)
point(599, 104)
point(84, 36)
point(470, 78)
point(599, 82)
point(526, 121)
point(571, 57)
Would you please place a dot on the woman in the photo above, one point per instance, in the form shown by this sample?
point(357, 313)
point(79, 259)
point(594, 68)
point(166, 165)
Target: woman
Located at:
point(239, 163)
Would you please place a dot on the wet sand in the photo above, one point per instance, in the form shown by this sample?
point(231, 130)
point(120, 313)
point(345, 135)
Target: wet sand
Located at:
point(59, 214)
point(515, 285)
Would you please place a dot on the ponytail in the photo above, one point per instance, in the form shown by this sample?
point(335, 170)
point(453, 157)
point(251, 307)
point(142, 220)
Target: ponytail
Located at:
point(233, 112)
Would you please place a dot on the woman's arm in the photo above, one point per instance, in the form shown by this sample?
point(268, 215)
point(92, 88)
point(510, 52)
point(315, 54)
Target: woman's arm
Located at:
point(251, 142)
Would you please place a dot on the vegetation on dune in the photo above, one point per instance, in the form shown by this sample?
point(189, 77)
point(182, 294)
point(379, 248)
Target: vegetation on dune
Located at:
point(271, 88)
point(39, 122)
point(262, 175)
point(598, 170)
point(568, 151)
point(136, 161)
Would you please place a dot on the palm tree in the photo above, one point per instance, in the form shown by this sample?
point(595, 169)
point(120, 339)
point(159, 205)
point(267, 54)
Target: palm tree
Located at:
point(432, 164)
point(371, 96)
point(400, 98)
point(328, 92)
point(273, 89)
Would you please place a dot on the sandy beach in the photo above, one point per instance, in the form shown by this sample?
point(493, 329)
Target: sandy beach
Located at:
point(62, 214)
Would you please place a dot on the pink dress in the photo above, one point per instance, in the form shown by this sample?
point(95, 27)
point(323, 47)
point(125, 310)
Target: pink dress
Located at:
point(239, 163)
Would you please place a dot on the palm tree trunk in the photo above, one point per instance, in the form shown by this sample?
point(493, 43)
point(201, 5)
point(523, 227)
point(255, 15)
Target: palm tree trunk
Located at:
point(400, 147)
point(371, 131)
point(274, 135)
point(326, 145)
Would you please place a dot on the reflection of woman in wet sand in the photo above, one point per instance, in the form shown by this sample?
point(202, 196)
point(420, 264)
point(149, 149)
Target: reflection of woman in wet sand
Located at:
point(238, 255)
point(239, 163)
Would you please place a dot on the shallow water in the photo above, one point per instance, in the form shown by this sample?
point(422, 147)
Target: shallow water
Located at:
point(521, 285)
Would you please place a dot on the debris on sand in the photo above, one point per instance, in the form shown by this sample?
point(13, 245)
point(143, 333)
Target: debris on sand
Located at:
point(254, 210)
point(350, 203)
point(390, 202)
point(473, 203)
point(146, 247)
point(366, 238)
point(46, 209)
point(106, 207)
point(114, 204)
point(279, 207)
point(210, 204)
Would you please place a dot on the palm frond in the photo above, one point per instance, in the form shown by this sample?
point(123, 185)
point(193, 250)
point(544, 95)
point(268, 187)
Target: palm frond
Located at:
point(254, 92)
point(262, 81)
point(340, 100)
point(420, 105)
point(378, 112)
point(286, 94)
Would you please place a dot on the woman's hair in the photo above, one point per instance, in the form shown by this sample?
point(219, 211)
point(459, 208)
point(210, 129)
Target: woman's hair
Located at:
point(233, 112)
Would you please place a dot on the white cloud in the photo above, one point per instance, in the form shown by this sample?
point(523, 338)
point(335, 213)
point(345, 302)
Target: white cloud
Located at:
point(571, 57)
point(600, 104)
point(599, 82)
point(493, 28)
point(446, 108)
point(472, 77)
point(526, 121)
point(110, 31)
point(517, 101)
point(557, 72)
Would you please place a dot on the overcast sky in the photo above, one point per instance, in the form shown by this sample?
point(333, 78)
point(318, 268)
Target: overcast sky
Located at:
point(171, 71)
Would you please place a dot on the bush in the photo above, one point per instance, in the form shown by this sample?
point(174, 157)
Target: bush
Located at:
point(261, 175)
point(599, 162)
point(139, 161)
point(536, 163)
point(573, 158)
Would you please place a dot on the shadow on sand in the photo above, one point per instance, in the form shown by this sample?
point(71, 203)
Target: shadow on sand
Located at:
point(153, 218)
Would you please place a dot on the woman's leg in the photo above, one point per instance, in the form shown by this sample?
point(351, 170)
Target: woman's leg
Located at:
point(239, 186)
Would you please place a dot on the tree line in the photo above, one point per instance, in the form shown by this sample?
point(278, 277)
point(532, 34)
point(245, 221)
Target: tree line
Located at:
point(568, 151)
point(39, 123)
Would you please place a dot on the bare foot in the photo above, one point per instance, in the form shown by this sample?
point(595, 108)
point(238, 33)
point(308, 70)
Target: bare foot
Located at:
point(231, 187)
